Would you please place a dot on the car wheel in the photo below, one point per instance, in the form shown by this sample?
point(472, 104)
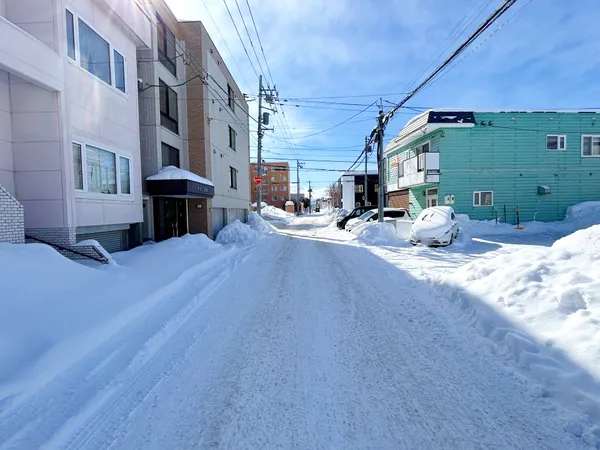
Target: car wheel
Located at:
point(451, 240)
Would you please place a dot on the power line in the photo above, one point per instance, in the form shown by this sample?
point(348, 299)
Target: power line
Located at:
point(250, 38)
point(241, 40)
point(260, 42)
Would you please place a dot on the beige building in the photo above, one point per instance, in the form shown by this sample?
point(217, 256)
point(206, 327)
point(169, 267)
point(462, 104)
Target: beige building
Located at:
point(275, 185)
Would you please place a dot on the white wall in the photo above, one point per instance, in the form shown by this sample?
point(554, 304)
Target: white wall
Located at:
point(101, 115)
point(348, 192)
point(7, 178)
point(223, 157)
point(36, 17)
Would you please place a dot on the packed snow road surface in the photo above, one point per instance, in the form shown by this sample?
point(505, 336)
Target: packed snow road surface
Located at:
point(302, 344)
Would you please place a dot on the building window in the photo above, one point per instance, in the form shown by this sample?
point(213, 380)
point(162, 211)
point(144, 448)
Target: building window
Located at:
point(119, 71)
point(232, 137)
point(358, 188)
point(376, 187)
point(265, 182)
point(166, 47)
point(170, 155)
point(230, 98)
point(274, 188)
point(590, 146)
point(274, 198)
point(283, 178)
point(423, 148)
point(265, 192)
point(70, 35)
point(265, 171)
point(400, 169)
point(556, 142)
point(483, 198)
point(124, 175)
point(284, 188)
point(78, 167)
point(272, 179)
point(169, 114)
point(232, 178)
point(105, 172)
point(94, 53)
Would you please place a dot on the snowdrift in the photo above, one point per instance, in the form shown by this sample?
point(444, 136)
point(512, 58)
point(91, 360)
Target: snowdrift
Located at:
point(276, 215)
point(240, 234)
point(541, 309)
point(376, 233)
point(58, 309)
point(259, 224)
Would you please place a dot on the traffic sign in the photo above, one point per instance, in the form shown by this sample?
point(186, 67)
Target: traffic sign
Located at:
point(257, 180)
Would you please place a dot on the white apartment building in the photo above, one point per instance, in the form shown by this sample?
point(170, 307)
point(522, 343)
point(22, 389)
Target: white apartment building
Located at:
point(69, 126)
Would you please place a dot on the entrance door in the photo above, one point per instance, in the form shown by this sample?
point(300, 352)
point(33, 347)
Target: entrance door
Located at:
point(170, 218)
point(432, 197)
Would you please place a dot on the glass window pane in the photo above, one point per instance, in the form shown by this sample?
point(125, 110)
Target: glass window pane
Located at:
point(101, 171)
point(173, 111)
point(486, 198)
point(562, 145)
point(70, 36)
point(552, 142)
point(119, 71)
point(163, 94)
point(587, 146)
point(476, 198)
point(94, 53)
point(77, 166)
point(125, 175)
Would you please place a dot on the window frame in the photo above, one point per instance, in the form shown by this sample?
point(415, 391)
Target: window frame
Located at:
point(233, 182)
point(558, 138)
point(231, 97)
point(84, 144)
point(232, 138)
point(77, 60)
point(170, 148)
point(400, 168)
point(591, 136)
point(421, 145)
point(167, 115)
point(479, 194)
point(171, 65)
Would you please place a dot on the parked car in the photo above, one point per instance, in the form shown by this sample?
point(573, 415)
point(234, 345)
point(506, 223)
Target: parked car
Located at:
point(355, 213)
point(435, 226)
point(373, 216)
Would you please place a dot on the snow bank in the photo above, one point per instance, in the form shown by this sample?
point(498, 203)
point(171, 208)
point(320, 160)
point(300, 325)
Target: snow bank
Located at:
point(541, 309)
point(238, 234)
point(578, 217)
point(48, 301)
point(379, 234)
point(277, 215)
point(259, 224)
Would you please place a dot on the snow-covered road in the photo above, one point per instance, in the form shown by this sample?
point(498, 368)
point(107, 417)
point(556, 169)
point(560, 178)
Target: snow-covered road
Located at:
point(307, 343)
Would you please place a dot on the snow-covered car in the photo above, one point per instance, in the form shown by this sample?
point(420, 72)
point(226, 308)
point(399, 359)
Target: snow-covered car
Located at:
point(435, 226)
point(372, 215)
point(354, 214)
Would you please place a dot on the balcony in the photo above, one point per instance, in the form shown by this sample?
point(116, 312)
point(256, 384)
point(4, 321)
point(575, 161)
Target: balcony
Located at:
point(419, 170)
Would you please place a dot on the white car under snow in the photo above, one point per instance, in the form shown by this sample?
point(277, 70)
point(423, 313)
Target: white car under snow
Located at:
point(435, 226)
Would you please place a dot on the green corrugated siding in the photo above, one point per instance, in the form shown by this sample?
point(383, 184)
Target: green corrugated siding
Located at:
point(510, 158)
point(418, 201)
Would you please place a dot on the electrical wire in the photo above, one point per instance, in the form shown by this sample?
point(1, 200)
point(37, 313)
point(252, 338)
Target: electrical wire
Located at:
point(250, 39)
point(260, 42)
point(240, 36)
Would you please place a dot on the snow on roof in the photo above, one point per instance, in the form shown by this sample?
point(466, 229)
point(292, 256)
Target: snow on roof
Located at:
point(175, 173)
point(289, 203)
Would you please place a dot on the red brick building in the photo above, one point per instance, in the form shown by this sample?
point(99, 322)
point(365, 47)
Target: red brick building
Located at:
point(275, 185)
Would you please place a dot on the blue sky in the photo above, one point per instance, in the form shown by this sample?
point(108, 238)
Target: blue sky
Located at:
point(547, 56)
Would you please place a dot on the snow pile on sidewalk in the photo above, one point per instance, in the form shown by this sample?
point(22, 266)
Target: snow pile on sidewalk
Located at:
point(541, 308)
point(578, 217)
point(237, 233)
point(378, 234)
point(276, 215)
point(259, 224)
point(49, 301)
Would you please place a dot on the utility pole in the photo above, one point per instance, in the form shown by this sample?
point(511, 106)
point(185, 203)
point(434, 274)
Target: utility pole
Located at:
point(366, 158)
point(381, 196)
point(259, 147)
point(263, 120)
point(299, 165)
point(309, 198)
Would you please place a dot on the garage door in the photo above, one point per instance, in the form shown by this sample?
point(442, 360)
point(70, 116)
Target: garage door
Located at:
point(112, 241)
point(241, 215)
point(218, 220)
point(399, 199)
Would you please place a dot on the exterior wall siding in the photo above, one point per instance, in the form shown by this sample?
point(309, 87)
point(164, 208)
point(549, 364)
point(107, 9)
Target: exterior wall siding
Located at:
point(510, 159)
point(417, 200)
point(12, 222)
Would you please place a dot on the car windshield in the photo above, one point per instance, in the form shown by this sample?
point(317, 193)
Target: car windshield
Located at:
point(366, 215)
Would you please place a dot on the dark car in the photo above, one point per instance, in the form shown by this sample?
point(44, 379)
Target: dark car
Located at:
point(356, 212)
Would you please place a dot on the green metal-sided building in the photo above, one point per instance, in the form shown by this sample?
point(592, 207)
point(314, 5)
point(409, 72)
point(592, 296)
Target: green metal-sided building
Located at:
point(483, 163)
